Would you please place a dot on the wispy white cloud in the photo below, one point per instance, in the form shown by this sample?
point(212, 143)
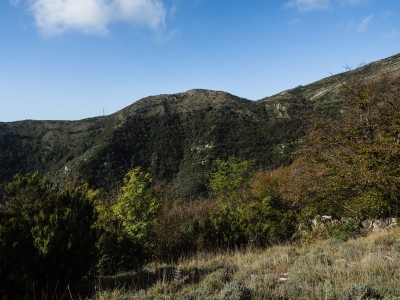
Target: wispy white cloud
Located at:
point(360, 26)
point(308, 5)
point(15, 2)
point(164, 37)
point(392, 34)
point(363, 25)
point(315, 5)
point(354, 2)
point(54, 17)
point(294, 21)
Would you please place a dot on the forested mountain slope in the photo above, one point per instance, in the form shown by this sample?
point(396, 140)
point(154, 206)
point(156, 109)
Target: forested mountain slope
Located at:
point(175, 137)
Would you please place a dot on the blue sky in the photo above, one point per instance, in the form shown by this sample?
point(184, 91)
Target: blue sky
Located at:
point(70, 59)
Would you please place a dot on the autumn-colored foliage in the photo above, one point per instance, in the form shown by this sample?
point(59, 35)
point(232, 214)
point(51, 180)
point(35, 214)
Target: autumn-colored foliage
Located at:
point(349, 166)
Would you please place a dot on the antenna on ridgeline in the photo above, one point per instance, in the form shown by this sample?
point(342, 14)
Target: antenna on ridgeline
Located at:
point(103, 112)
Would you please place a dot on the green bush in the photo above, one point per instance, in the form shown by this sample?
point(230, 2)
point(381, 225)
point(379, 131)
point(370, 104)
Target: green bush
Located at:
point(47, 238)
point(345, 230)
point(248, 215)
point(360, 292)
point(235, 291)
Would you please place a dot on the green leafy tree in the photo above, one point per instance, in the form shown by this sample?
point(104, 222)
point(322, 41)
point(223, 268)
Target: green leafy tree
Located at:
point(125, 227)
point(136, 206)
point(230, 177)
point(229, 181)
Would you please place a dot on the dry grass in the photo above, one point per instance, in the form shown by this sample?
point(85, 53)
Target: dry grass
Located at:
point(365, 268)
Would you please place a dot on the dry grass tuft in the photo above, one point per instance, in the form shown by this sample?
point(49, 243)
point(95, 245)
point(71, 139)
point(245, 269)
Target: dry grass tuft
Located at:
point(365, 268)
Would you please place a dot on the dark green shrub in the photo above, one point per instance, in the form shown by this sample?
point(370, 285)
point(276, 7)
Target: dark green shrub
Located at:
point(345, 230)
point(360, 292)
point(46, 237)
point(235, 291)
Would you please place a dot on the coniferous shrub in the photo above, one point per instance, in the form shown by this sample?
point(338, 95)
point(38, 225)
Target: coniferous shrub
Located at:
point(47, 240)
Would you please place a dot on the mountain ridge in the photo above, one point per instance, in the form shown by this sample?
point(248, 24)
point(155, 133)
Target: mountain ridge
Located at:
point(175, 136)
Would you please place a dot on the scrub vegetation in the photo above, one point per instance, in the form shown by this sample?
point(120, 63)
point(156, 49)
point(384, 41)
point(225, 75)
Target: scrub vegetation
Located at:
point(164, 201)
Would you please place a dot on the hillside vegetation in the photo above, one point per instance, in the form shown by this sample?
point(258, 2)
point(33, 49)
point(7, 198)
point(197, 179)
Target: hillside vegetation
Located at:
point(197, 172)
point(365, 268)
point(176, 137)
